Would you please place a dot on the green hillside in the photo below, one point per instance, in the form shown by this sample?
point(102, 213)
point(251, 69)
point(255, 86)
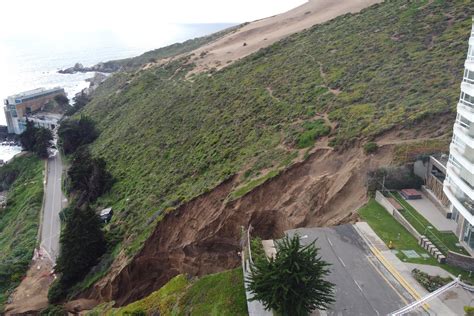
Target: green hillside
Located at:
point(167, 139)
point(209, 295)
point(134, 63)
point(19, 220)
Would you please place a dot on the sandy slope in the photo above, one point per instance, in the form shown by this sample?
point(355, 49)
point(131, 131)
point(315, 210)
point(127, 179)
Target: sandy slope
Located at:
point(262, 33)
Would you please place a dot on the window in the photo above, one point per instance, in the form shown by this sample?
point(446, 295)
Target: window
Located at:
point(468, 76)
point(468, 234)
point(467, 99)
point(458, 142)
point(455, 215)
point(454, 161)
point(464, 122)
point(470, 52)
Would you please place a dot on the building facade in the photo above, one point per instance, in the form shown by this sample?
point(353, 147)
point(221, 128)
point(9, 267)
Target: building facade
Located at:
point(19, 106)
point(459, 182)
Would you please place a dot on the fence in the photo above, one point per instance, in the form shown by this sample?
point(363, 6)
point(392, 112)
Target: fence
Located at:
point(255, 308)
point(425, 242)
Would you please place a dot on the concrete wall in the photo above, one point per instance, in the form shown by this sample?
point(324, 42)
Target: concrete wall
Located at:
point(461, 261)
point(384, 202)
point(34, 104)
point(420, 169)
point(396, 214)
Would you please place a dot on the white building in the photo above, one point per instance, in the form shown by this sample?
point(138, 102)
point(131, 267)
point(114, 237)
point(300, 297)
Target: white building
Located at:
point(459, 182)
point(25, 104)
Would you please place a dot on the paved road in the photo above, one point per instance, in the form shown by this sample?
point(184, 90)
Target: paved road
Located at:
point(53, 204)
point(363, 285)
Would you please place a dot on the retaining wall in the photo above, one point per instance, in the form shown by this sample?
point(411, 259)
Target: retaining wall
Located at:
point(461, 261)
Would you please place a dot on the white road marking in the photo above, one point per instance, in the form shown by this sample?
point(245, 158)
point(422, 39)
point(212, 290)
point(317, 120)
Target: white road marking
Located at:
point(342, 262)
point(330, 242)
point(52, 209)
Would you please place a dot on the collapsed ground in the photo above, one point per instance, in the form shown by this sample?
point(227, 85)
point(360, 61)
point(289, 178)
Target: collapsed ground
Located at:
point(390, 72)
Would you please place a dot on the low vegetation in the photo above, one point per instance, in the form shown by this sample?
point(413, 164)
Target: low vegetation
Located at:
point(391, 231)
point(429, 282)
point(132, 64)
point(445, 241)
point(312, 131)
point(167, 138)
point(411, 151)
point(214, 295)
point(19, 220)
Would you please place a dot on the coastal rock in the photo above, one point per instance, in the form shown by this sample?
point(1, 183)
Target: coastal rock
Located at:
point(107, 67)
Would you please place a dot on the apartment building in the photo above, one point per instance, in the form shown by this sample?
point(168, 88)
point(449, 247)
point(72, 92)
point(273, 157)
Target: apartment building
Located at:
point(459, 183)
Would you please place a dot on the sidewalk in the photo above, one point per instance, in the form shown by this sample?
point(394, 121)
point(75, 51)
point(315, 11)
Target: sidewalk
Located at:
point(436, 306)
point(429, 211)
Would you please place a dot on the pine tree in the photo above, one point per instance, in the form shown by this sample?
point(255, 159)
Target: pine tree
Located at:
point(82, 244)
point(293, 282)
point(42, 142)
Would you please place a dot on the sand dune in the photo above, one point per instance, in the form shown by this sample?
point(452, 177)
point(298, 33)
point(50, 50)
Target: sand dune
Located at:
point(262, 33)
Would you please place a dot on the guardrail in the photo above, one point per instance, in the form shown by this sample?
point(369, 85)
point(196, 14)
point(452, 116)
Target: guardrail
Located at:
point(411, 307)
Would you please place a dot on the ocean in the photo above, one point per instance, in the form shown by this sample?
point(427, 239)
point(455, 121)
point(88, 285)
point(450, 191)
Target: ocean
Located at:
point(30, 62)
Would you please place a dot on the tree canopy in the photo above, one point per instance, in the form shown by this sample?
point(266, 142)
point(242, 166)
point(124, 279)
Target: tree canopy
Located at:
point(88, 176)
point(293, 283)
point(36, 139)
point(82, 244)
point(76, 133)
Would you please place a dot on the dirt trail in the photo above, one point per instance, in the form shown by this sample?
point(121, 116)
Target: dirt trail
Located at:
point(203, 236)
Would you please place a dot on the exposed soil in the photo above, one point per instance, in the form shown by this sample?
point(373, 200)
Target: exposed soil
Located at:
point(262, 33)
point(32, 293)
point(203, 236)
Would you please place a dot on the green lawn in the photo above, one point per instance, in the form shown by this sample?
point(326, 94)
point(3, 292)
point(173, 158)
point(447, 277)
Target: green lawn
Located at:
point(388, 229)
point(444, 241)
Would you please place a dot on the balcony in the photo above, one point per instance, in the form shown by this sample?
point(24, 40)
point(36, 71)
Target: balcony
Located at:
point(464, 208)
point(456, 176)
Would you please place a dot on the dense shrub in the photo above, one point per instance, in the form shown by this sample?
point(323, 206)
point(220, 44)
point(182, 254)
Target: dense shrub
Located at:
point(370, 147)
point(53, 310)
point(76, 133)
point(430, 283)
point(87, 176)
point(82, 244)
point(394, 178)
point(312, 131)
point(36, 139)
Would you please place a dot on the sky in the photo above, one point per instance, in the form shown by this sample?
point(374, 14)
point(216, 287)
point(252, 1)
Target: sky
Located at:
point(48, 17)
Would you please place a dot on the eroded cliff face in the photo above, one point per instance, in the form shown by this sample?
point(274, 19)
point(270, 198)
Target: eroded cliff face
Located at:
point(203, 235)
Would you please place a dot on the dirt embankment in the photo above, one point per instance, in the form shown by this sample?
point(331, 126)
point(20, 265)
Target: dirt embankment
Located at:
point(203, 236)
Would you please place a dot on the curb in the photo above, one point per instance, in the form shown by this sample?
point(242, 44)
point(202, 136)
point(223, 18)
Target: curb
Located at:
point(391, 269)
point(40, 226)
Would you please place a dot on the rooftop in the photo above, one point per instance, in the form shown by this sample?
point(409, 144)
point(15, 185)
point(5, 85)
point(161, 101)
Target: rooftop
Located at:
point(33, 93)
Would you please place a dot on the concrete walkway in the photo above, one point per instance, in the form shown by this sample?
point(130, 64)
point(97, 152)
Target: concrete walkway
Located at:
point(436, 306)
point(429, 211)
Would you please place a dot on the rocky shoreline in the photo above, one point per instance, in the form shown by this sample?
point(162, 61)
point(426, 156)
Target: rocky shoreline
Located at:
point(105, 67)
